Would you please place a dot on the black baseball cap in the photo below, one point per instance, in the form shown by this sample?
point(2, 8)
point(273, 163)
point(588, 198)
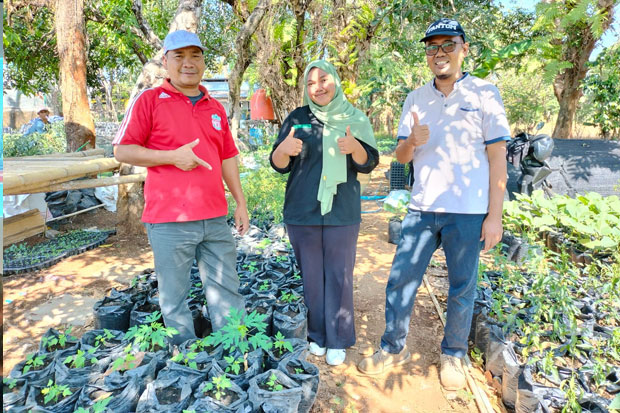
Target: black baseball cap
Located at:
point(449, 27)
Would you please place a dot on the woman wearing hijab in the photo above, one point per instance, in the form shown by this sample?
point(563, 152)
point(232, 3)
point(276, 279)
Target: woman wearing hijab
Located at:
point(323, 145)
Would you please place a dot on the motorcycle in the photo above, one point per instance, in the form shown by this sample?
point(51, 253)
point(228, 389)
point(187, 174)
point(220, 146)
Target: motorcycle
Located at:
point(530, 154)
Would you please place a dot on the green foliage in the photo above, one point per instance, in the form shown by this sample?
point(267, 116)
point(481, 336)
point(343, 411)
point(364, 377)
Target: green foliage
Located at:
point(591, 221)
point(281, 344)
point(102, 339)
point(528, 99)
point(127, 362)
point(151, 335)
point(273, 384)
point(53, 392)
point(78, 360)
point(98, 407)
point(52, 141)
point(234, 364)
point(264, 191)
point(219, 383)
point(32, 361)
point(289, 297)
point(9, 382)
point(187, 359)
point(49, 342)
point(602, 92)
point(240, 333)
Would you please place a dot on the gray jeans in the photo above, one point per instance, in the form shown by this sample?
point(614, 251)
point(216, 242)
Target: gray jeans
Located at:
point(175, 246)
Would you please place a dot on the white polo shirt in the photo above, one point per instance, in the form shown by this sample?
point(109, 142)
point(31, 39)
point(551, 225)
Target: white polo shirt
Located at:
point(451, 170)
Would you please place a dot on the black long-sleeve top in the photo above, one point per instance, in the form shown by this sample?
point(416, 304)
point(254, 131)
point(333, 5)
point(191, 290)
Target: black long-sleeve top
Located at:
point(301, 206)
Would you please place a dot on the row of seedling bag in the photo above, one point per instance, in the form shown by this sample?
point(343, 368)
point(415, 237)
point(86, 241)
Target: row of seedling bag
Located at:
point(547, 332)
point(255, 363)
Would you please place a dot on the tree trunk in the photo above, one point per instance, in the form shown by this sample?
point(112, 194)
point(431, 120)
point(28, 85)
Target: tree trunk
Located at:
point(130, 203)
point(244, 55)
point(71, 42)
point(576, 50)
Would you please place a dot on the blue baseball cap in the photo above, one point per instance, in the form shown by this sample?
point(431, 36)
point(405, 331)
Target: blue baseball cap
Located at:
point(181, 38)
point(448, 27)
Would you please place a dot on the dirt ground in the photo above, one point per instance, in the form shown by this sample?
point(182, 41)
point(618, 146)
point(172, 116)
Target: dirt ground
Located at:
point(64, 293)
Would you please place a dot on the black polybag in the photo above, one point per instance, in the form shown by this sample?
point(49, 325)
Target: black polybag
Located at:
point(510, 376)
point(66, 405)
point(533, 397)
point(205, 403)
point(16, 396)
point(285, 401)
point(300, 352)
point(35, 377)
point(124, 396)
point(308, 380)
point(149, 401)
point(291, 321)
point(113, 313)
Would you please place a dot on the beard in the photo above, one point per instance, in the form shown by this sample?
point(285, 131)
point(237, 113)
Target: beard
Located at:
point(443, 77)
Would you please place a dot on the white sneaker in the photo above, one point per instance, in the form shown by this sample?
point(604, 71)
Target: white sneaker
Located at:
point(316, 350)
point(335, 356)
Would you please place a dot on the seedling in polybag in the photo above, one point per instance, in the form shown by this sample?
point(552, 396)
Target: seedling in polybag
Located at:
point(263, 244)
point(125, 363)
point(299, 370)
point(281, 345)
point(264, 286)
point(11, 383)
point(98, 407)
point(252, 266)
point(187, 359)
point(219, 383)
point(33, 361)
point(150, 335)
point(297, 276)
point(78, 360)
point(50, 341)
point(234, 364)
point(289, 297)
point(273, 384)
point(54, 392)
point(102, 339)
point(235, 335)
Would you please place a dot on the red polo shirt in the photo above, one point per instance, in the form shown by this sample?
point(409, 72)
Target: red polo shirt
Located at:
point(163, 118)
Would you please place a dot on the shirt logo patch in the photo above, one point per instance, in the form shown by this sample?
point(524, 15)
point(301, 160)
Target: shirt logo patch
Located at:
point(216, 121)
point(163, 95)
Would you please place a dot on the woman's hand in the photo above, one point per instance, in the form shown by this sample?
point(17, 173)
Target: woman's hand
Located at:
point(290, 146)
point(349, 144)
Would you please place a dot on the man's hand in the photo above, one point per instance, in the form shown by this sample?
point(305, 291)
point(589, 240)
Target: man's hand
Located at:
point(290, 146)
point(491, 233)
point(419, 133)
point(185, 159)
point(348, 144)
point(242, 221)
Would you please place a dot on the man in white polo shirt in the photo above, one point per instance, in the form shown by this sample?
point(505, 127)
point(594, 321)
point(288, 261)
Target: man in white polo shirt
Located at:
point(454, 129)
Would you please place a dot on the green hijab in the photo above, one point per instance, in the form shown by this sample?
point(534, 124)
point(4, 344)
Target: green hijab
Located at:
point(335, 116)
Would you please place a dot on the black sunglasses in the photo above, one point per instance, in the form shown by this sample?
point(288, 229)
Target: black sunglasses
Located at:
point(447, 47)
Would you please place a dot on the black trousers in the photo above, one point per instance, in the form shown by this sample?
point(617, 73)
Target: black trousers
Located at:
point(326, 257)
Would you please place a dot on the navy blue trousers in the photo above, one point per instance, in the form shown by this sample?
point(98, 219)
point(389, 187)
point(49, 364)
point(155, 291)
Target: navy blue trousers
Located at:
point(326, 257)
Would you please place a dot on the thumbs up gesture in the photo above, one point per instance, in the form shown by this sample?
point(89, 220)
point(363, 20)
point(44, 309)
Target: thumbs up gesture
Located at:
point(291, 146)
point(184, 157)
point(348, 144)
point(419, 133)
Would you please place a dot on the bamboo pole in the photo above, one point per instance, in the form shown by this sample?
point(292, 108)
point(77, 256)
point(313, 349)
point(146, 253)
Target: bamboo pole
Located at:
point(89, 183)
point(24, 182)
point(75, 213)
point(87, 153)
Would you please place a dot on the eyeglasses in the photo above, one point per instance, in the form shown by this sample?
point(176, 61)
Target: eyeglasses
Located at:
point(447, 47)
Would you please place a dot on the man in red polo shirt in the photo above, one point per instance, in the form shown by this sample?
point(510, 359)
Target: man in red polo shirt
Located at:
point(181, 135)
